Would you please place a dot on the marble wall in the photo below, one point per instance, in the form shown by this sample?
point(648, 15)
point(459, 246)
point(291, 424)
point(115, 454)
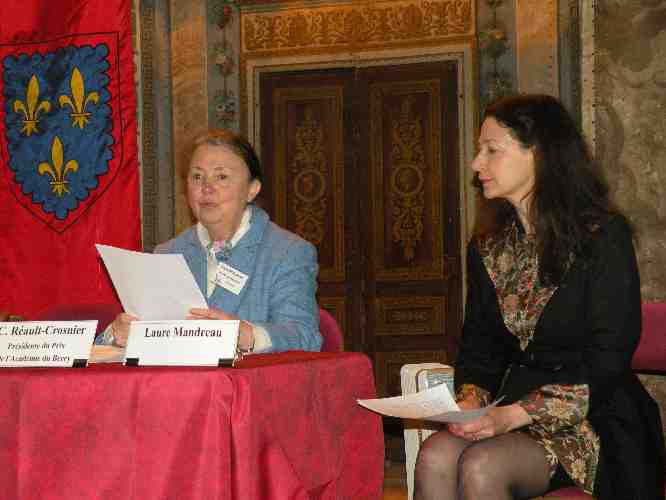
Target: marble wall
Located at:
point(630, 129)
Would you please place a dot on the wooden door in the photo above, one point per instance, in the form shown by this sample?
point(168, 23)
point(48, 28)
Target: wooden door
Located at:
point(311, 183)
point(363, 162)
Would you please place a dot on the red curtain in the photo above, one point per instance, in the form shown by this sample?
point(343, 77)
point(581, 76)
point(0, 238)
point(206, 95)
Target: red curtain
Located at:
point(69, 173)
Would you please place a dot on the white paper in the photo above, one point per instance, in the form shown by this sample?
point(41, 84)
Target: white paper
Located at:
point(152, 286)
point(435, 404)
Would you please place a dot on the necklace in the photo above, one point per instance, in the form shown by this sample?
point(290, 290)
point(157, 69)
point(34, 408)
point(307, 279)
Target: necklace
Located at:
point(221, 250)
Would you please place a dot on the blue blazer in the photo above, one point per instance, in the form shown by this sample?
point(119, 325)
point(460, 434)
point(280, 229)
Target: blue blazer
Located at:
point(279, 294)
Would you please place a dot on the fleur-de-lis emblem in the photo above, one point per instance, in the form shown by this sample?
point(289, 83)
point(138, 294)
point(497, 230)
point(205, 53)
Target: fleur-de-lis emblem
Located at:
point(30, 107)
point(80, 100)
point(58, 182)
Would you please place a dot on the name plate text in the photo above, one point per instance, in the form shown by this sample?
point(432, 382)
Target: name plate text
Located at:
point(182, 343)
point(46, 343)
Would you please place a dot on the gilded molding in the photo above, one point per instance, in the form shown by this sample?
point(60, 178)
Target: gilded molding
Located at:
point(343, 27)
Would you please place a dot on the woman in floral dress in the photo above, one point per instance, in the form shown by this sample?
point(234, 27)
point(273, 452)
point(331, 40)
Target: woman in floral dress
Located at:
point(552, 320)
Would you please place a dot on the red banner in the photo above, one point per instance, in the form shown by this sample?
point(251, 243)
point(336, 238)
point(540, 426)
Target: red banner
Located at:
point(69, 174)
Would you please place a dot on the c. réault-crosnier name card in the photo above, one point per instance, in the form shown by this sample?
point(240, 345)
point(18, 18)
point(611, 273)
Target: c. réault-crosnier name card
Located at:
point(46, 343)
point(185, 343)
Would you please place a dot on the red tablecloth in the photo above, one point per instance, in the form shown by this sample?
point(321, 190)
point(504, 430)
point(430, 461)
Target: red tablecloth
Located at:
point(277, 427)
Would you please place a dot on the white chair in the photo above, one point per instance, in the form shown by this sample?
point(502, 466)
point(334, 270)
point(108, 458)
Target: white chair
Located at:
point(415, 378)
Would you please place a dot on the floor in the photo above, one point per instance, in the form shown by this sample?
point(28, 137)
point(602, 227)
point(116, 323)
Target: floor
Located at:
point(395, 482)
point(395, 477)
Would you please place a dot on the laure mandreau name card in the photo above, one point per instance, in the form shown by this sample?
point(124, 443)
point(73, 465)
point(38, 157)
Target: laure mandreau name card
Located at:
point(46, 343)
point(184, 343)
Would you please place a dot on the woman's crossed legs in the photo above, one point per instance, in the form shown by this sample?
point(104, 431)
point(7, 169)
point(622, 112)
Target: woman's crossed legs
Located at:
point(505, 467)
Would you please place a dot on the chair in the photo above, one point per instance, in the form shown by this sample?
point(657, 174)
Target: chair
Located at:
point(415, 378)
point(651, 353)
point(330, 332)
point(649, 361)
point(569, 493)
point(103, 313)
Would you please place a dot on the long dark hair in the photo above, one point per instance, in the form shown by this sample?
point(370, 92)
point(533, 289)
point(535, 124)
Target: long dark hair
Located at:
point(570, 198)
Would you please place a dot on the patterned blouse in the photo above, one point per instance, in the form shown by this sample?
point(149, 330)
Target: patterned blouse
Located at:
point(558, 411)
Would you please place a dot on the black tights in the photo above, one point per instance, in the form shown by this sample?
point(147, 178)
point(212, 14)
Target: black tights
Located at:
point(506, 467)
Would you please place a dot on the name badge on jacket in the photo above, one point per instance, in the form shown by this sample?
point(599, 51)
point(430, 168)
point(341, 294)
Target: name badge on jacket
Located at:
point(229, 278)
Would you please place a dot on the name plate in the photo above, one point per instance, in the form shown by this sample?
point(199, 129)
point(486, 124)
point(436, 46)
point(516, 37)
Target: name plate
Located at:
point(46, 343)
point(182, 343)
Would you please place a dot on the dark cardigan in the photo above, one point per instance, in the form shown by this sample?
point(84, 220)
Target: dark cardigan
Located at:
point(587, 334)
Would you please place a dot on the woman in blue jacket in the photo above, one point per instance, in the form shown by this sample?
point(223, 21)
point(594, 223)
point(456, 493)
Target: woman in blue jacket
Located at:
point(248, 267)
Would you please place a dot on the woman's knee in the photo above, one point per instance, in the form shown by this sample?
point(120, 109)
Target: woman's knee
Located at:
point(491, 465)
point(439, 452)
point(474, 464)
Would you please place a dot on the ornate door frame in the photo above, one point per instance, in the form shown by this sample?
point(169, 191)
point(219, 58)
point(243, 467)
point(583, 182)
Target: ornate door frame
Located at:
point(423, 32)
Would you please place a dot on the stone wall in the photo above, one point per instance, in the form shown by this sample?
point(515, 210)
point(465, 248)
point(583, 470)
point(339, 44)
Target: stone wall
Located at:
point(630, 127)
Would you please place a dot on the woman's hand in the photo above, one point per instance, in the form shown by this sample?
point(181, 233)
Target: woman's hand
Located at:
point(498, 420)
point(245, 333)
point(470, 402)
point(120, 328)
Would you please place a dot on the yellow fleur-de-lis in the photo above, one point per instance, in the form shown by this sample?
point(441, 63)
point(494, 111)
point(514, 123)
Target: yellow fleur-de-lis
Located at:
point(78, 100)
point(58, 182)
point(30, 107)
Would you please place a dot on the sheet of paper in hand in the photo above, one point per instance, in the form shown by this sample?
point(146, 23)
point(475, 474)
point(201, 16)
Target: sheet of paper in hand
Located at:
point(152, 286)
point(46, 343)
point(435, 404)
point(184, 343)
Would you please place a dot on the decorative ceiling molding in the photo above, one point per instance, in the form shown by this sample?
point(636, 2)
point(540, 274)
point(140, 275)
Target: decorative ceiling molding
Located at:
point(366, 25)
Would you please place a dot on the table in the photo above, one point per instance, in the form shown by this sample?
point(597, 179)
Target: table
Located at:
point(278, 426)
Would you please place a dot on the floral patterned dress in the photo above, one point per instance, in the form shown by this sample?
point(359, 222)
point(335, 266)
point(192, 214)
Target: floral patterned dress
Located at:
point(559, 411)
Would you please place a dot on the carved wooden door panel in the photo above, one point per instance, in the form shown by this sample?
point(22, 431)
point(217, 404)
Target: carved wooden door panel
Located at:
point(309, 187)
point(364, 164)
point(413, 292)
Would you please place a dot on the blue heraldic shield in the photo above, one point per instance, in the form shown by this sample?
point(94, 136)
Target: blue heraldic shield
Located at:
point(59, 127)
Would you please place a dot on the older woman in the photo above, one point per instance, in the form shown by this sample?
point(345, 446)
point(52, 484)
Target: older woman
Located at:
point(274, 271)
